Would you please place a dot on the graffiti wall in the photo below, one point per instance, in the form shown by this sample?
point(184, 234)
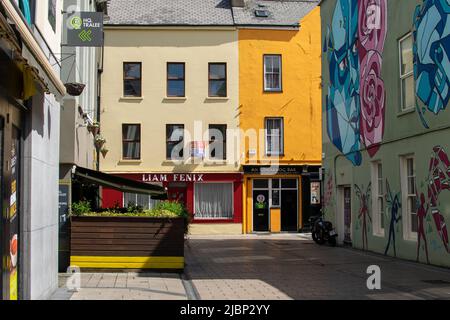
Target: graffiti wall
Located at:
point(355, 103)
point(364, 214)
point(363, 118)
point(432, 57)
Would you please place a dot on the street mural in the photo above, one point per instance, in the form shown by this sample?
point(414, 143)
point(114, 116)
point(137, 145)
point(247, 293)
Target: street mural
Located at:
point(355, 103)
point(328, 192)
point(438, 181)
point(431, 52)
point(394, 206)
point(422, 212)
point(364, 214)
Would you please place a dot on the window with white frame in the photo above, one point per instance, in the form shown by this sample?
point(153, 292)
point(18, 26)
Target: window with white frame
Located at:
point(275, 187)
point(274, 136)
point(409, 205)
point(143, 200)
point(378, 194)
point(406, 73)
point(272, 73)
point(213, 200)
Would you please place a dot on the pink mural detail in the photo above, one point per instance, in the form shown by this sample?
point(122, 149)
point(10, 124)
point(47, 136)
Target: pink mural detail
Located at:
point(438, 181)
point(328, 194)
point(372, 99)
point(364, 214)
point(372, 24)
point(372, 28)
point(422, 212)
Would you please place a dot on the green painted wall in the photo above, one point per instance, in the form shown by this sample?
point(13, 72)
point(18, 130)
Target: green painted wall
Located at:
point(404, 134)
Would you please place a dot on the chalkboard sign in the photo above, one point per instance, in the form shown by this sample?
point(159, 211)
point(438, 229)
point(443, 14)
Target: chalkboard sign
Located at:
point(63, 204)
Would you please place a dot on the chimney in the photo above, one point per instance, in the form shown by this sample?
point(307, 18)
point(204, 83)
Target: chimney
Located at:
point(237, 3)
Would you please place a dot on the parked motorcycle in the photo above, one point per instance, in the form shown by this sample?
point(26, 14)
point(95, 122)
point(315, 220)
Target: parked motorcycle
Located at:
point(322, 231)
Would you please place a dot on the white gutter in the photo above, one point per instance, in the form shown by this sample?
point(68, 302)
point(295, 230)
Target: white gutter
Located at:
point(33, 46)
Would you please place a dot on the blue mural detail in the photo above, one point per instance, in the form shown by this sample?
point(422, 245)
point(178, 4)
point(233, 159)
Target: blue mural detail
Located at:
point(431, 51)
point(394, 205)
point(343, 101)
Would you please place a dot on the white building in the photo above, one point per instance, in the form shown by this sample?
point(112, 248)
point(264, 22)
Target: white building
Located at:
point(30, 94)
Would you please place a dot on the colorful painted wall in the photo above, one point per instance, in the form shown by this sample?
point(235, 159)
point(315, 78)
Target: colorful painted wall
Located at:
point(300, 99)
point(363, 122)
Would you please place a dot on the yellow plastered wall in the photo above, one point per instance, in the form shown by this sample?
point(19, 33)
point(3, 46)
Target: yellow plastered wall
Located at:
point(275, 219)
point(299, 103)
point(154, 48)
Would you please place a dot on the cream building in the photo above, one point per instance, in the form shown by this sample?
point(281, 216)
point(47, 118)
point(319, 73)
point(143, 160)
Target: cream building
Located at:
point(168, 66)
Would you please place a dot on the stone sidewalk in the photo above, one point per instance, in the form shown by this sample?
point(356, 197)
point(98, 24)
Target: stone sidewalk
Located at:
point(124, 286)
point(291, 266)
point(268, 267)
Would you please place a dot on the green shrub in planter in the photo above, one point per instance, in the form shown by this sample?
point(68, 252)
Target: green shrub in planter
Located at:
point(80, 208)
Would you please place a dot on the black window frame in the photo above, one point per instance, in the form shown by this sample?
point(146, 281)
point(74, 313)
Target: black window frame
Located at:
point(132, 79)
point(126, 141)
point(219, 79)
point(175, 142)
point(224, 143)
point(177, 79)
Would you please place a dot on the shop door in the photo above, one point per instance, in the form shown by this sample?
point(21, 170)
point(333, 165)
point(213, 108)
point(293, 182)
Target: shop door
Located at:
point(260, 210)
point(348, 215)
point(289, 210)
point(10, 187)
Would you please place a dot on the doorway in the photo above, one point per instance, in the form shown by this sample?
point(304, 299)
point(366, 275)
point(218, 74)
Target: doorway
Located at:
point(261, 210)
point(10, 184)
point(289, 210)
point(344, 217)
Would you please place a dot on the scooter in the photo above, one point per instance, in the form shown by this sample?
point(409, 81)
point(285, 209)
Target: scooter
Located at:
point(322, 231)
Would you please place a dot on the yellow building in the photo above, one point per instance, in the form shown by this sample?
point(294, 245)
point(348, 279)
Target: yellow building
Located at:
point(280, 112)
point(238, 77)
point(170, 87)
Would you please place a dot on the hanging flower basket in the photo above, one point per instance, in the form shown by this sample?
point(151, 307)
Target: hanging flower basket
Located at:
point(104, 151)
point(94, 128)
point(99, 141)
point(74, 89)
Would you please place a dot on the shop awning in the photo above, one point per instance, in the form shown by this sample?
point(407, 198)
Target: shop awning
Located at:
point(120, 184)
point(34, 54)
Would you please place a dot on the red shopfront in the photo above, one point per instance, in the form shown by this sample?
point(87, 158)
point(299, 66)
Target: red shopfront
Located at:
point(211, 197)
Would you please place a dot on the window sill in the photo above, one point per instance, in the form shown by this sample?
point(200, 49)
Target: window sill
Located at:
point(273, 91)
point(173, 162)
point(379, 234)
point(130, 161)
point(131, 98)
point(405, 112)
point(214, 161)
point(410, 238)
point(175, 98)
point(217, 98)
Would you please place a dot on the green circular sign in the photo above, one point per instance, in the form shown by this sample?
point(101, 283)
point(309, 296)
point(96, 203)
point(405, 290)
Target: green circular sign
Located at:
point(76, 22)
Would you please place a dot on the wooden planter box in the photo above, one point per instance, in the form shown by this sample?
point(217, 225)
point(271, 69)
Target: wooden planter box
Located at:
point(127, 243)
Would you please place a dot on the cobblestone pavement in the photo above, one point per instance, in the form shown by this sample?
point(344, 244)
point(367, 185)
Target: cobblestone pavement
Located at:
point(293, 267)
point(124, 286)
